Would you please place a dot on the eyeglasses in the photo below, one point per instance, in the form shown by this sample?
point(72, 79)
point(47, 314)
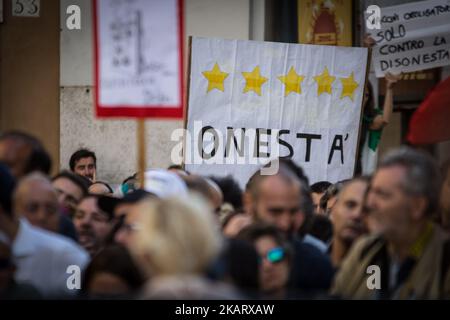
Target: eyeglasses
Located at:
point(275, 255)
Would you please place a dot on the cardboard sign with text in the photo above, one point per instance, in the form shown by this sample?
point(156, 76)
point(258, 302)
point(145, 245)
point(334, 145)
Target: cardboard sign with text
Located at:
point(252, 101)
point(413, 37)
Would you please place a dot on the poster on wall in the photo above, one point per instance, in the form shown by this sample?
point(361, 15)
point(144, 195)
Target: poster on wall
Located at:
point(325, 22)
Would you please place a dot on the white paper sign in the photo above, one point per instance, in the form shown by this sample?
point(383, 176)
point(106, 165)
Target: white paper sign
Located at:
point(413, 36)
point(138, 54)
point(255, 101)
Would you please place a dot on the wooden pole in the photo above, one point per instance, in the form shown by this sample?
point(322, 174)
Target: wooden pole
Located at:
point(186, 101)
point(141, 151)
point(366, 80)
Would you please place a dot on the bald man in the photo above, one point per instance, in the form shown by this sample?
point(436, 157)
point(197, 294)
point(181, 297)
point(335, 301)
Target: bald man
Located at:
point(37, 201)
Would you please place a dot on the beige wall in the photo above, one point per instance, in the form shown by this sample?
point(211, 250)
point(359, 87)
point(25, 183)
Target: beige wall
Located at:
point(29, 74)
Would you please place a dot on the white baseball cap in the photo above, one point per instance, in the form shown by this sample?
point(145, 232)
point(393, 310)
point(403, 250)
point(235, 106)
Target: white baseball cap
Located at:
point(164, 183)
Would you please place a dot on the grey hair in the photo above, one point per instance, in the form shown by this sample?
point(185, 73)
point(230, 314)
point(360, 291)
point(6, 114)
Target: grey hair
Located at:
point(422, 174)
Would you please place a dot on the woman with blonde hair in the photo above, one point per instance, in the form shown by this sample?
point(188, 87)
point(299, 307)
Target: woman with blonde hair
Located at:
point(175, 241)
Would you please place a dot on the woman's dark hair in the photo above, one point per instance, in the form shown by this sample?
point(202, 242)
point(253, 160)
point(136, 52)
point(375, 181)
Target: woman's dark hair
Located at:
point(241, 265)
point(232, 192)
point(369, 114)
point(369, 107)
point(116, 260)
point(320, 187)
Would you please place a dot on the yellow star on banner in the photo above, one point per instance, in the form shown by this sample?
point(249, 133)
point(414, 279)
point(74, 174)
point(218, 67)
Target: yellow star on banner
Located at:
point(215, 78)
point(349, 86)
point(253, 81)
point(292, 82)
point(324, 82)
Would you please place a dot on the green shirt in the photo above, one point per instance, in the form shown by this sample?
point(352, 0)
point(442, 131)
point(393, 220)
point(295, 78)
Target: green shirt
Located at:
point(374, 135)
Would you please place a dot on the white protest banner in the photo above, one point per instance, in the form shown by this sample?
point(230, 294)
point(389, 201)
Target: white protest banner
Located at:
point(138, 58)
point(413, 36)
point(252, 101)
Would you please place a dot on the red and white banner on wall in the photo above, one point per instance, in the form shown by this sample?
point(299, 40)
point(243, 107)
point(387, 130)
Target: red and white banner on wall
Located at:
point(138, 58)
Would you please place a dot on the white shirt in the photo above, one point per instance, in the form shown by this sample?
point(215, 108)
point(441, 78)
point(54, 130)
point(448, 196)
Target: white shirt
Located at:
point(42, 258)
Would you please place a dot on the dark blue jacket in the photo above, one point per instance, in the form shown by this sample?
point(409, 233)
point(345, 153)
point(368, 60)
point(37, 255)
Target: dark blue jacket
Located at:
point(311, 270)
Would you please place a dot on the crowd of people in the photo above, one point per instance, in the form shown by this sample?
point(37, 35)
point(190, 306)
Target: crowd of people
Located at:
point(185, 236)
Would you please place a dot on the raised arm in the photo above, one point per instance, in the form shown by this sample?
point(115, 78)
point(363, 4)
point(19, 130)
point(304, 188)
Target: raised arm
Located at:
point(381, 120)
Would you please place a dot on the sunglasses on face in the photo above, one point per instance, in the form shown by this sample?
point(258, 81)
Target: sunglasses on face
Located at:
point(275, 255)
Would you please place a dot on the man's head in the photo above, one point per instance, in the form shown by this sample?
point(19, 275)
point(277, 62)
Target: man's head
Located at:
point(36, 200)
point(84, 163)
point(92, 224)
point(347, 214)
point(7, 267)
point(281, 199)
point(404, 192)
point(317, 191)
point(70, 189)
point(23, 154)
